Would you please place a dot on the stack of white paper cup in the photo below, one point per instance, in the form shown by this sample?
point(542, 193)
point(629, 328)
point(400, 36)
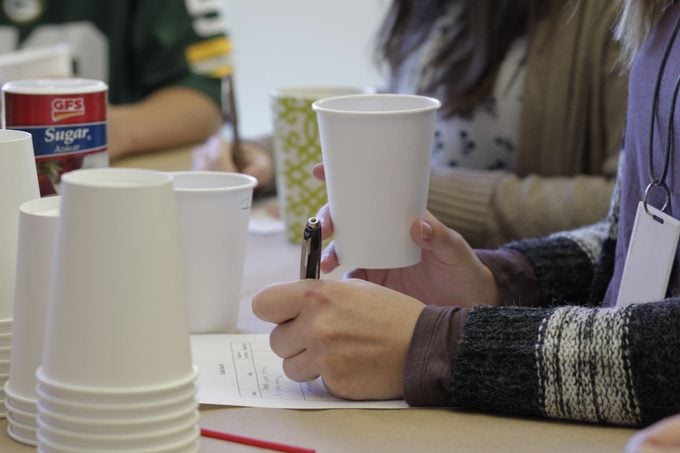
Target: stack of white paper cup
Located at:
point(116, 372)
point(5, 347)
point(37, 233)
point(18, 184)
point(48, 61)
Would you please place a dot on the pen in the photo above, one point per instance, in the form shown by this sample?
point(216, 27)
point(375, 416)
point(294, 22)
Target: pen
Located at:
point(236, 151)
point(310, 258)
point(254, 442)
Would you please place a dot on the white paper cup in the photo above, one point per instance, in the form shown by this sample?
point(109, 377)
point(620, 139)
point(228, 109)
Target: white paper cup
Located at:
point(26, 434)
point(18, 402)
point(18, 183)
point(117, 319)
point(6, 324)
point(297, 150)
point(37, 235)
point(213, 209)
point(189, 445)
point(117, 396)
point(120, 425)
point(21, 415)
point(99, 410)
point(158, 439)
point(22, 421)
point(376, 152)
point(48, 61)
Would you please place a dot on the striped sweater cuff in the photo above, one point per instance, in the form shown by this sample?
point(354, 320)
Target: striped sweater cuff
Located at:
point(616, 366)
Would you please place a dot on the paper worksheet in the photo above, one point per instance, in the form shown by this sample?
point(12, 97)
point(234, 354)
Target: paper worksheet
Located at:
point(242, 370)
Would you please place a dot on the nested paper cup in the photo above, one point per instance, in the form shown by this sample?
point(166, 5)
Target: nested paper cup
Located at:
point(297, 150)
point(28, 418)
point(47, 61)
point(23, 433)
point(189, 445)
point(120, 425)
point(4, 367)
point(18, 401)
point(5, 352)
point(22, 426)
point(117, 319)
point(37, 235)
point(107, 410)
point(79, 407)
point(158, 439)
point(213, 210)
point(6, 324)
point(117, 396)
point(18, 183)
point(5, 339)
point(377, 151)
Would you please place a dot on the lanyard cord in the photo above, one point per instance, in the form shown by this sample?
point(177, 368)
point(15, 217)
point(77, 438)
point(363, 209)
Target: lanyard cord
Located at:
point(661, 180)
point(657, 89)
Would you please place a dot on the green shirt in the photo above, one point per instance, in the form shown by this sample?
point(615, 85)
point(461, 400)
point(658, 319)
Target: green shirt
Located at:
point(136, 46)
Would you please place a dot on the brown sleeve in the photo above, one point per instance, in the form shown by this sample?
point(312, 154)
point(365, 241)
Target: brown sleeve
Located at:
point(514, 276)
point(432, 356)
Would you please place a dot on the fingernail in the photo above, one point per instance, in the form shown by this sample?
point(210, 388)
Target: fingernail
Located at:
point(425, 230)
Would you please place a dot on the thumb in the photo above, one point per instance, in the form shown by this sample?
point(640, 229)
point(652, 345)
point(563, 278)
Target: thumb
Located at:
point(431, 235)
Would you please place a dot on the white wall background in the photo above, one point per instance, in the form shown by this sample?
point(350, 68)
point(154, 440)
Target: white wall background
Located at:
point(280, 43)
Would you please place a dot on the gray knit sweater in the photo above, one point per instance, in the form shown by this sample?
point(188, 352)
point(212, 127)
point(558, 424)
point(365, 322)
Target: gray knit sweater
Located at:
point(558, 347)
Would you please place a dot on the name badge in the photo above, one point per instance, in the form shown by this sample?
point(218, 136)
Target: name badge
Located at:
point(650, 256)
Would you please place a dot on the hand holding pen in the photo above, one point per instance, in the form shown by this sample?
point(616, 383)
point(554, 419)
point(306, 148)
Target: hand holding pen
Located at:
point(310, 257)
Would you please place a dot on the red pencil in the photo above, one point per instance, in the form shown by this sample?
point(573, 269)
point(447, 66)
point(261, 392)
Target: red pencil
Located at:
point(254, 442)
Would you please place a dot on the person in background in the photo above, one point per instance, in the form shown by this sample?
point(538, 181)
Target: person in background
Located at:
point(533, 328)
point(163, 61)
point(532, 114)
point(524, 84)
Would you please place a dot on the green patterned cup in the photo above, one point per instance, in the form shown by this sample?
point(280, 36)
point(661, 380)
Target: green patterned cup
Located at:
point(297, 150)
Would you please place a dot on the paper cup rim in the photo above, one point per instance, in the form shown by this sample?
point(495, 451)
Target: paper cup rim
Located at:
point(315, 92)
point(42, 207)
point(29, 55)
point(13, 395)
point(190, 410)
point(33, 441)
point(171, 447)
point(116, 178)
point(13, 409)
point(112, 391)
point(12, 421)
point(56, 85)
point(14, 135)
point(420, 104)
point(90, 406)
point(132, 437)
point(247, 181)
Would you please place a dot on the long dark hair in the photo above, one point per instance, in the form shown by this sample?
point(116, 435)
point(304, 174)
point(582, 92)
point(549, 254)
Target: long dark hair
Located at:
point(473, 49)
